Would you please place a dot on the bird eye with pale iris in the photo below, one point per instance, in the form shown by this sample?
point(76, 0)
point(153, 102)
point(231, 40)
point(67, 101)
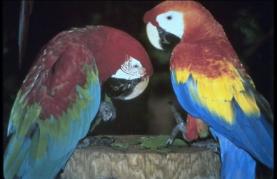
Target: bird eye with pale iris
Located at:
point(172, 22)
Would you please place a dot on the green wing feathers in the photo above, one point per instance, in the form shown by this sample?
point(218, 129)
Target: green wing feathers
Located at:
point(34, 141)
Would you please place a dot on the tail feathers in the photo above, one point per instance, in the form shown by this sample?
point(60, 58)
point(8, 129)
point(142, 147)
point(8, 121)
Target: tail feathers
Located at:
point(265, 136)
point(47, 169)
point(19, 162)
point(235, 162)
point(256, 137)
point(264, 107)
point(263, 104)
point(15, 155)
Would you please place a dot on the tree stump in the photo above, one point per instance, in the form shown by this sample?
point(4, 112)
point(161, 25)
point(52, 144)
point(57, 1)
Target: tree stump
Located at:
point(129, 157)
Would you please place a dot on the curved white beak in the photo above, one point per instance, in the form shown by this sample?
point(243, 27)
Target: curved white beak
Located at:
point(153, 35)
point(140, 87)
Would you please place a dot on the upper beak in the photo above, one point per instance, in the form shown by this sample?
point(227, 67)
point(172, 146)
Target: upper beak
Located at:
point(153, 35)
point(160, 38)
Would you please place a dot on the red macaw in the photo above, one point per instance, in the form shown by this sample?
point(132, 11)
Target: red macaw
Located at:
point(211, 84)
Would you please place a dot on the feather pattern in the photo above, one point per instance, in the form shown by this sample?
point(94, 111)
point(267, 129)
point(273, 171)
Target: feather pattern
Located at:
point(234, 159)
point(60, 97)
point(211, 84)
point(246, 131)
point(42, 150)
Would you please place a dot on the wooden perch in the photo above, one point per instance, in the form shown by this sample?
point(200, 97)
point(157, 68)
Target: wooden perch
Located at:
point(132, 157)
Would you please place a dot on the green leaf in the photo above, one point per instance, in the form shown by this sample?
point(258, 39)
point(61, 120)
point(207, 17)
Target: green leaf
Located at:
point(158, 143)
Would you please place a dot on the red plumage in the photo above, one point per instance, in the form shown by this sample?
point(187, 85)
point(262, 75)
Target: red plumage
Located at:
point(59, 66)
point(206, 57)
point(191, 125)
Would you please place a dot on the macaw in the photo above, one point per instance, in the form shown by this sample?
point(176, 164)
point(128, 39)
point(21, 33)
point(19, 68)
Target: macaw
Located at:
point(61, 95)
point(211, 84)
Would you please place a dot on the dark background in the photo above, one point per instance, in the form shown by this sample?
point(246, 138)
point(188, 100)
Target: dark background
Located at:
point(249, 26)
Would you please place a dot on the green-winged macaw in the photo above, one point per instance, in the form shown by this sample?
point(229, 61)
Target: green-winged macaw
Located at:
point(61, 94)
point(211, 84)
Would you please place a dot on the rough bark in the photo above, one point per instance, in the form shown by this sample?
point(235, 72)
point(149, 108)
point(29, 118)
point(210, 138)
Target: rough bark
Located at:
point(131, 161)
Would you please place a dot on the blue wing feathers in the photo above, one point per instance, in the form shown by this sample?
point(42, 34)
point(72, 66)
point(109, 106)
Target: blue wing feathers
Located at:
point(180, 92)
point(253, 134)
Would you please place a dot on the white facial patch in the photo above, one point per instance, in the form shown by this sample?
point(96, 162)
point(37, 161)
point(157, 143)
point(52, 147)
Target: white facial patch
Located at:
point(130, 69)
point(153, 35)
point(172, 22)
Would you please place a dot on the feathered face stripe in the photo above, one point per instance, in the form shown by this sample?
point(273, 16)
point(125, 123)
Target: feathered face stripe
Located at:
point(217, 93)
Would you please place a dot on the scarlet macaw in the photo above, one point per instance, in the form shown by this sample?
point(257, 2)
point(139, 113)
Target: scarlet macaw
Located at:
point(61, 94)
point(211, 84)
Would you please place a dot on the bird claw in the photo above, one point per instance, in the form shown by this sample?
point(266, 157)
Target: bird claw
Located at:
point(169, 141)
point(179, 128)
point(84, 143)
point(107, 111)
point(97, 141)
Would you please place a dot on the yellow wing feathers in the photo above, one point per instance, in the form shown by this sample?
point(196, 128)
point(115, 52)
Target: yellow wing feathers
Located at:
point(216, 93)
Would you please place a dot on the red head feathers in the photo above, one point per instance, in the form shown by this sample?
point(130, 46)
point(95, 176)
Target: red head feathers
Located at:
point(115, 47)
point(199, 22)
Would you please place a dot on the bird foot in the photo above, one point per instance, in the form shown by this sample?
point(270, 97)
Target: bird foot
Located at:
point(179, 128)
point(96, 141)
point(84, 143)
point(107, 111)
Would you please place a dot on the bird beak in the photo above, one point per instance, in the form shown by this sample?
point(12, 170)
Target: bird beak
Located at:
point(153, 35)
point(139, 88)
point(161, 39)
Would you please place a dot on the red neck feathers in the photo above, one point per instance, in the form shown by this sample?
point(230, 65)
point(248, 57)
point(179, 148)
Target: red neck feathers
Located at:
point(208, 57)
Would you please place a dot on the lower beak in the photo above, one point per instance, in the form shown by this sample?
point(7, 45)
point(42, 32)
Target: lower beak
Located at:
point(139, 88)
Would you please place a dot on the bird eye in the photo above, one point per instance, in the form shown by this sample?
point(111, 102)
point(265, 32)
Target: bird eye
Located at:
point(136, 66)
point(169, 17)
